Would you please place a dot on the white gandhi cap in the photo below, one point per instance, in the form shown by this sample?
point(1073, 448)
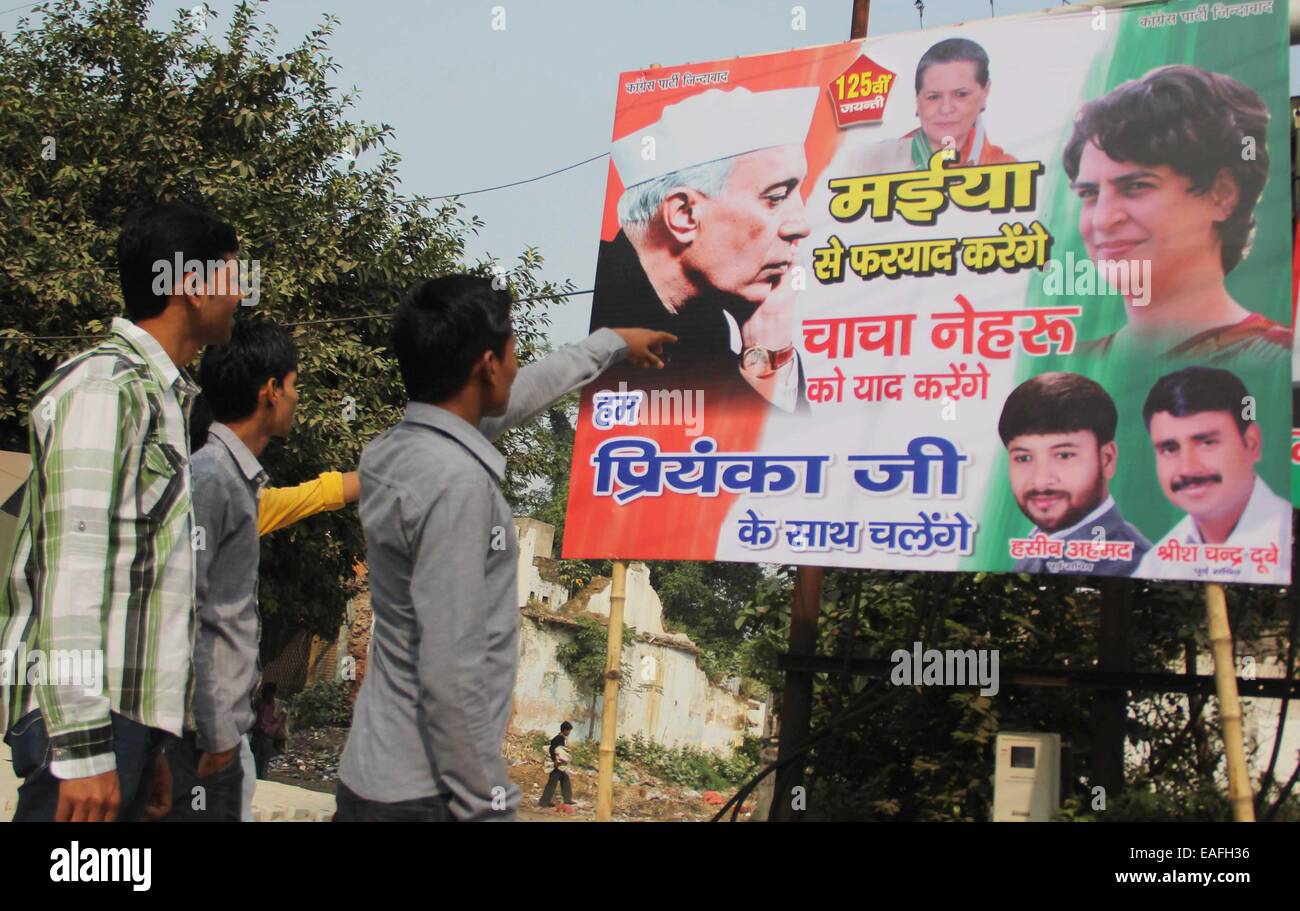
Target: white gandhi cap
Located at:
point(712, 125)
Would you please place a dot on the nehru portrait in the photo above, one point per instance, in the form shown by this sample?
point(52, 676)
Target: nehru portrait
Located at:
point(710, 220)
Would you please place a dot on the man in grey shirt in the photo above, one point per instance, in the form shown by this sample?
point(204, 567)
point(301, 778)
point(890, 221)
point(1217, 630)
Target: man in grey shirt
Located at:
point(441, 551)
point(251, 387)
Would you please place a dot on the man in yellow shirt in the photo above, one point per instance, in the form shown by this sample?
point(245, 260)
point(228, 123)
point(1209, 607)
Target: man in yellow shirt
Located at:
point(280, 507)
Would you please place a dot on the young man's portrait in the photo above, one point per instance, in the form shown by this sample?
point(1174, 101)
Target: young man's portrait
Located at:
point(1059, 430)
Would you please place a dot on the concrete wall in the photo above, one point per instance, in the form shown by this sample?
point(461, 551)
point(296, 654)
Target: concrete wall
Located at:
point(665, 697)
point(536, 540)
point(642, 608)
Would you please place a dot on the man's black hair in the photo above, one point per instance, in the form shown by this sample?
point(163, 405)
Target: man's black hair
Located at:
point(155, 234)
point(232, 374)
point(1058, 403)
point(441, 329)
point(1193, 390)
point(200, 422)
point(952, 50)
point(1196, 123)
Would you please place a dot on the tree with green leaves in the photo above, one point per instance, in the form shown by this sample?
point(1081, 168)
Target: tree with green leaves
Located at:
point(583, 658)
point(100, 113)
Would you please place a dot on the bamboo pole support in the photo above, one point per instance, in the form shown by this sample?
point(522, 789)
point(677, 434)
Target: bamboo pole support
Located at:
point(609, 713)
point(1225, 680)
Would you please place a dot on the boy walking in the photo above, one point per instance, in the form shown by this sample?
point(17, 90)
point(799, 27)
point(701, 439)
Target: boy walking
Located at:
point(559, 753)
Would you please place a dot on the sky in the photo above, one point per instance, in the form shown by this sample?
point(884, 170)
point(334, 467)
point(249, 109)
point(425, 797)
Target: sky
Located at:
point(475, 106)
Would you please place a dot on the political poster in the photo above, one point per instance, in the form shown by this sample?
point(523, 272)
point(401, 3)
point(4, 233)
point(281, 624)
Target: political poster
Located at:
point(1009, 296)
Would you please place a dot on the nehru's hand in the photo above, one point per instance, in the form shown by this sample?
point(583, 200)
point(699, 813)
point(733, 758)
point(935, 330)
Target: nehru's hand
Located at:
point(645, 345)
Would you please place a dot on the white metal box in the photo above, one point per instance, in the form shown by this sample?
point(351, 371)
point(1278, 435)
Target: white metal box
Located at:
point(1027, 777)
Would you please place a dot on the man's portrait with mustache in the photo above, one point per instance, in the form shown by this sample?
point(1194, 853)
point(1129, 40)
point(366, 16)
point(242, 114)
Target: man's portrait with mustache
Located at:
point(1206, 447)
point(1059, 430)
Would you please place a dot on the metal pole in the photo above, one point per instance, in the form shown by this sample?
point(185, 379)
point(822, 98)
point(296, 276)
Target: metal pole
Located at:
point(1110, 707)
point(796, 698)
point(609, 713)
point(861, 13)
point(1225, 677)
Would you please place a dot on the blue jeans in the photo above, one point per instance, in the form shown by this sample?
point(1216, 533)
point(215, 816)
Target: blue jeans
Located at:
point(217, 798)
point(135, 747)
point(352, 807)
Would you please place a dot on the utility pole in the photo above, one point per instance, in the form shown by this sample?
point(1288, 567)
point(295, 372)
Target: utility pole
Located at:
point(861, 12)
point(796, 699)
point(1110, 707)
point(797, 695)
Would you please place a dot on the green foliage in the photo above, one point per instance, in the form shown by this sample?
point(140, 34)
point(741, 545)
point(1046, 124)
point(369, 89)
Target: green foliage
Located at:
point(324, 704)
point(583, 656)
point(1203, 802)
point(585, 754)
point(683, 766)
point(687, 766)
point(703, 598)
point(138, 114)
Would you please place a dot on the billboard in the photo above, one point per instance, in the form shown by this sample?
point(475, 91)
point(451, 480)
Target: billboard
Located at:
point(1009, 296)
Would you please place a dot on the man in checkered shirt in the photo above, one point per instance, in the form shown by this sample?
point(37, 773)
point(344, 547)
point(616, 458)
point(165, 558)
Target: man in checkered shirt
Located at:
point(97, 607)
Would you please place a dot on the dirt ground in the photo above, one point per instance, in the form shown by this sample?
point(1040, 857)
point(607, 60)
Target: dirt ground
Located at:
point(312, 761)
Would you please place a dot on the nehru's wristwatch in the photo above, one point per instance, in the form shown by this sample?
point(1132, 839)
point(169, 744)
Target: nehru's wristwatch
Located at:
point(763, 362)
